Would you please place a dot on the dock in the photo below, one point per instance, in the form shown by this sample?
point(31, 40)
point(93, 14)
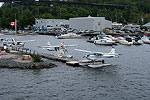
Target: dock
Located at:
point(27, 51)
point(56, 58)
point(72, 62)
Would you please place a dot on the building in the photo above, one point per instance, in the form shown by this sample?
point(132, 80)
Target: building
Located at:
point(147, 25)
point(131, 28)
point(44, 24)
point(117, 26)
point(90, 23)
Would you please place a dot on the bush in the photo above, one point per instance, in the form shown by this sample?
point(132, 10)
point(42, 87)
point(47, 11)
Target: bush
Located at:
point(7, 51)
point(36, 58)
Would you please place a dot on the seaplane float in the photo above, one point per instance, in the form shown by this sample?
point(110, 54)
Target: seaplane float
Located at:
point(94, 59)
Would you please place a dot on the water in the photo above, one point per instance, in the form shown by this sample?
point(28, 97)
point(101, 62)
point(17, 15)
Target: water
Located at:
point(127, 79)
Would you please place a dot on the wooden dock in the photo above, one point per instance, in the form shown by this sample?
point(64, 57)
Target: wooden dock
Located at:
point(56, 58)
point(68, 61)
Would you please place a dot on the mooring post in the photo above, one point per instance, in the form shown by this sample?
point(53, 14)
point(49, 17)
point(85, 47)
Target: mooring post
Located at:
point(30, 51)
point(34, 52)
point(26, 51)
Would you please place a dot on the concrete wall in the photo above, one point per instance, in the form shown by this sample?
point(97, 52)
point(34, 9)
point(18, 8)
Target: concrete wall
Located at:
point(81, 23)
point(55, 23)
point(108, 24)
point(89, 23)
point(99, 23)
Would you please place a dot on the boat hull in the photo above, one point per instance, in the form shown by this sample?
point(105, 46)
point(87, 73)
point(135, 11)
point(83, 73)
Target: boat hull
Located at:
point(104, 43)
point(98, 65)
point(68, 36)
point(125, 42)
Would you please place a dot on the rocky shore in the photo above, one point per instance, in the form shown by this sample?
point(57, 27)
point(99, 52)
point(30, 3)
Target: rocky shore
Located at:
point(8, 63)
point(14, 61)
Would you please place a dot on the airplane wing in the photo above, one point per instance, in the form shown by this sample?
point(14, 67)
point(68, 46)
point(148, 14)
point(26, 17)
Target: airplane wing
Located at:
point(27, 41)
point(86, 51)
point(83, 50)
point(70, 45)
point(49, 46)
point(56, 46)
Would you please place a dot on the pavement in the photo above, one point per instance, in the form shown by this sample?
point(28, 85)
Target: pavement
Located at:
point(14, 57)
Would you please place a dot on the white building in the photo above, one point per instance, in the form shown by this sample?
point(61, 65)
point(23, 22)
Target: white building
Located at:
point(131, 27)
point(50, 23)
point(116, 25)
point(89, 23)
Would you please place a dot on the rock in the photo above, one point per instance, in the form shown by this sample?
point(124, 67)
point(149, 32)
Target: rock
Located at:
point(8, 63)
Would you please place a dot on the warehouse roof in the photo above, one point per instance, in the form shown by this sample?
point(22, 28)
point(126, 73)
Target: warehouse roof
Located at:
point(89, 17)
point(147, 25)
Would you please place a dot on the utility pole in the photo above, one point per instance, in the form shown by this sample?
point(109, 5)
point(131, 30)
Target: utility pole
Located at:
point(15, 32)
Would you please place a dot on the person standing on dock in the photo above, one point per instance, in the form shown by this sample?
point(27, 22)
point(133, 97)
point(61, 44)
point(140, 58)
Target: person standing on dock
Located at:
point(63, 49)
point(62, 45)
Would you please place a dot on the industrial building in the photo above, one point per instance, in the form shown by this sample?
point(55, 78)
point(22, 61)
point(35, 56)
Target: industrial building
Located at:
point(89, 23)
point(44, 24)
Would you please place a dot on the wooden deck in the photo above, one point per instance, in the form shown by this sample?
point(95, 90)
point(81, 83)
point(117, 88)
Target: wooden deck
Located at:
point(27, 51)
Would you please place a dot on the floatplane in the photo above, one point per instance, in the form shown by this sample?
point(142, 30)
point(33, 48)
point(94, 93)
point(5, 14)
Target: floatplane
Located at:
point(94, 59)
point(62, 48)
point(96, 55)
point(12, 42)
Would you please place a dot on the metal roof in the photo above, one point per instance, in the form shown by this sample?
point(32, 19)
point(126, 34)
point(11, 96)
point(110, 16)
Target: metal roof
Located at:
point(147, 25)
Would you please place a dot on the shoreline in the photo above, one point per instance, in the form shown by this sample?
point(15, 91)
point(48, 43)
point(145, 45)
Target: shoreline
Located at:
point(13, 61)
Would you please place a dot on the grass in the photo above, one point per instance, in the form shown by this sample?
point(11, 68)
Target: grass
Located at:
point(36, 58)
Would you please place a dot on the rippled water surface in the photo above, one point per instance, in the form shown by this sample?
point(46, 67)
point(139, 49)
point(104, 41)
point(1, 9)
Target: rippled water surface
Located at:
point(127, 79)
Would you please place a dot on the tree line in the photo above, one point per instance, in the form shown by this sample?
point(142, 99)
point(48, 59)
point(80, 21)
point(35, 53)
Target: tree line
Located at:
point(138, 12)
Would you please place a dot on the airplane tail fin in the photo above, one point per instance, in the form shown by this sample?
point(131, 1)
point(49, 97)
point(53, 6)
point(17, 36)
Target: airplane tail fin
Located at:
point(113, 51)
point(48, 43)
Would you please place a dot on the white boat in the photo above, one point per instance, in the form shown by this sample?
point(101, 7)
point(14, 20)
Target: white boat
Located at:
point(138, 42)
point(68, 36)
point(1, 34)
point(146, 40)
point(92, 39)
point(114, 39)
point(122, 41)
point(98, 65)
point(105, 41)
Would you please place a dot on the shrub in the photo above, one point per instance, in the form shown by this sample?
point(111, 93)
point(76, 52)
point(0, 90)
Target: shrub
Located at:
point(36, 58)
point(7, 51)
